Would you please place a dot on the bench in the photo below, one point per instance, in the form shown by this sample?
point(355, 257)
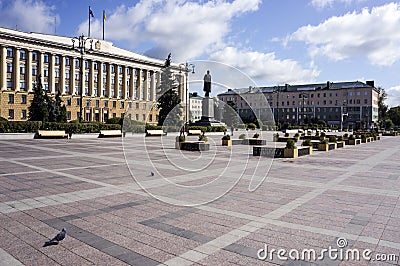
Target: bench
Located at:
point(110, 133)
point(195, 132)
point(155, 132)
point(52, 134)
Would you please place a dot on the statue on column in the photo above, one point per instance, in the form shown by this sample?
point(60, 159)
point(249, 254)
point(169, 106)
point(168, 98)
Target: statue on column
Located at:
point(207, 84)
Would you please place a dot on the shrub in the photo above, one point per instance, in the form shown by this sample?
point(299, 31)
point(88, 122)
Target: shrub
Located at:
point(286, 135)
point(251, 126)
point(322, 135)
point(226, 137)
point(340, 138)
point(290, 144)
point(297, 135)
point(307, 142)
point(323, 141)
point(352, 137)
point(242, 136)
point(180, 138)
point(2, 119)
point(256, 136)
point(115, 120)
point(276, 135)
point(202, 138)
point(332, 138)
point(317, 134)
point(345, 135)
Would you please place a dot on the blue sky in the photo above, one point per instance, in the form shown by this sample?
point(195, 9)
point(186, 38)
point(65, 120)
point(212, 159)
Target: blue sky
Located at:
point(272, 41)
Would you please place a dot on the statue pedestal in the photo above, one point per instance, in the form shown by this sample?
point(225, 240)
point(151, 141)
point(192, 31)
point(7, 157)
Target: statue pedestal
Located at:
point(207, 114)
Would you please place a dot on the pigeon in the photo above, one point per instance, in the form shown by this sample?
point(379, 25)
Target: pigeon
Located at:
point(59, 237)
point(152, 173)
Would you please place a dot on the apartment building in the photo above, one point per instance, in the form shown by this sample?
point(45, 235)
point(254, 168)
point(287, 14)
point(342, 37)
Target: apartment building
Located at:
point(351, 104)
point(94, 76)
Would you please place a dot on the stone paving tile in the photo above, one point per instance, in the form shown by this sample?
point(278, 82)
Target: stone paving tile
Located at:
point(115, 228)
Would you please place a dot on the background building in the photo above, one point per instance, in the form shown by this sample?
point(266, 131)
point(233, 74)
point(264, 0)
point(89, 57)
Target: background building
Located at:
point(112, 79)
point(345, 104)
point(195, 106)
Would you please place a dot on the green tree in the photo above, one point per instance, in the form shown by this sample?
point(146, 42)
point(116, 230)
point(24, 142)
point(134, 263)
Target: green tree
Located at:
point(60, 110)
point(382, 107)
point(38, 108)
point(394, 115)
point(169, 103)
point(389, 124)
point(230, 115)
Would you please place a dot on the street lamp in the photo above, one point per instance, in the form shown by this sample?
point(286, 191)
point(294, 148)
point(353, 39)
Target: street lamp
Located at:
point(303, 96)
point(81, 47)
point(344, 113)
point(186, 68)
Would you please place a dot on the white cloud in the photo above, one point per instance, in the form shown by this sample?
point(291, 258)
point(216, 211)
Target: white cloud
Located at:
point(372, 33)
point(393, 96)
point(187, 29)
point(265, 67)
point(28, 15)
point(320, 4)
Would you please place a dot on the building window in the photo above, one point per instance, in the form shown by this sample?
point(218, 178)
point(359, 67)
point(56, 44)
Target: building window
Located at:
point(56, 60)
point(86, 76)
point(104, 93)
point(9, 83)
point(68, 115)
point(114, 104)
point(68, 101)
point(95, 65)
point(87, 64)
point(10, 98)
point(122, 105)
point(9, 67)
point(10, 113)
point(67, 90)
point(23, 99)
point(34, 70)
point(351, 93)
point(22, 84)
point(105, 103)
point(57, 73)
point(137, 117)
point(22, 54)
point(76, 76)
point(95, 91)
point(67, 61)
point(97, 103)
point(45, 58)
point(77, 62)
point(88, 102)
point(144, 117)
point(34, 56)
point(128, 71)
point(137, 105)
point(365, 101)
point(358, 93)
point(114, 115)
point(23, 114)
point(67, 74)
point(22, 69)
point(112, 69)
point(144, 106)
point(104, 68)
point(45, 72)
point(9, 52)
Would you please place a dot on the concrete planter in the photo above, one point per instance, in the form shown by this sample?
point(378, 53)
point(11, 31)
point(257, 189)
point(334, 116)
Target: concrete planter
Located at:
point(194, 146)
point(323, 147)
point(354, 141)
point(340, 144)
point(290, 153)
point(226, 142)
point(178, 145)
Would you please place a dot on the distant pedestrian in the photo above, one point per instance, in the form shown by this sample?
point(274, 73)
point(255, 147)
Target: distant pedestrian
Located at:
point(232, 129)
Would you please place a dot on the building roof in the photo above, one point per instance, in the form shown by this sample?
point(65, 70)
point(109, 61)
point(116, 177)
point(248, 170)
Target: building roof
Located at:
point(302, 87)
point(66, 43)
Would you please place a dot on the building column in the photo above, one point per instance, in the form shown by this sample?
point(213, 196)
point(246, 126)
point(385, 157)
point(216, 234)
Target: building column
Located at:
point(125, 87)
point(72, 76)
point(100, 79)
point(3, 69)
point(108, 87)
point(131, 83)
point(16, 70)
point(28, 71)
point(152, 87)
point(145, 84)
point(116, 82)
point(52, 74)
point(40, 65)
point(139, 84)
point(61, 79)
point(91, 79)
point(82, 75)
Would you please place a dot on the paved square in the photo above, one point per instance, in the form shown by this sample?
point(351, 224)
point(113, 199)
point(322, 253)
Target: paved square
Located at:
point(117, 213)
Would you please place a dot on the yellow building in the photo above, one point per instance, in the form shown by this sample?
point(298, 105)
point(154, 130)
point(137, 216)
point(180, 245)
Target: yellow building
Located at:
point(113, 79)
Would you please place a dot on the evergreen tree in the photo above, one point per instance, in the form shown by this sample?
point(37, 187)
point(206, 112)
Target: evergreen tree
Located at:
point(230, 115)
point(60, 110)
point(382, 107)
point(38, 108)
point(170, 113)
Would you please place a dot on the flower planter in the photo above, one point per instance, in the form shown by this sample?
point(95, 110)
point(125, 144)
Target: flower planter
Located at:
point(340, 144)
point(354, 141)
point(178, 145)
point(226, 142)
point(323, 147)
point(290, 153)
point(194, 146)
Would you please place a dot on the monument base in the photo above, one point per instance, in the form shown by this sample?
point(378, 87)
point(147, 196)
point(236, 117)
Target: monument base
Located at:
point(207, 118)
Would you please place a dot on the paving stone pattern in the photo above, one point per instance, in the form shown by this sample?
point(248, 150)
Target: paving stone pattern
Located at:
point(86, 186)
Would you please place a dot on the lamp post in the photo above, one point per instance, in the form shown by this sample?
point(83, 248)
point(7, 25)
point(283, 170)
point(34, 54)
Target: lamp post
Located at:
point(185, 67)
point(344, 113)
point(303, 96)
point(81, 47)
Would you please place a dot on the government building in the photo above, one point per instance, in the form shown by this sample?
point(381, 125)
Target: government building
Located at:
point(348, 105)
point(112, 79)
